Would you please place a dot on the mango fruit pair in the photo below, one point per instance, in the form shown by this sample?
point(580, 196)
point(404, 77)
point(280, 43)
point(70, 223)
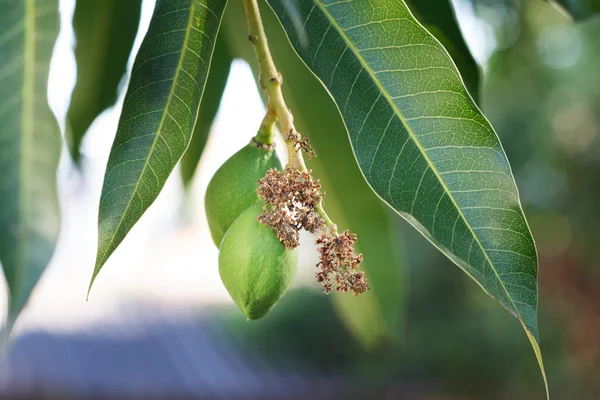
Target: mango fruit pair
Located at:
point(254, 265)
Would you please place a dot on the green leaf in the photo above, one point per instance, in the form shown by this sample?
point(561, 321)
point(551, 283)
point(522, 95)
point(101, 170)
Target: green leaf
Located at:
point(215, 85)
point(159, 113)
point(420, 140)
point(374, 317)
point(579, 9)
point(29, 147)
point(104, 34)
point(440, 20)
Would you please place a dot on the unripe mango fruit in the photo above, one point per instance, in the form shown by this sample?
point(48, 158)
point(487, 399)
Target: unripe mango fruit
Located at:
point(232, 189)
point(254, 265)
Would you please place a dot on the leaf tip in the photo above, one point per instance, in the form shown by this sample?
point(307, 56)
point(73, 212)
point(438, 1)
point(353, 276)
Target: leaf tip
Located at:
point(87, 296)
point(538, 354)
point(94, 275)
point(6, 331)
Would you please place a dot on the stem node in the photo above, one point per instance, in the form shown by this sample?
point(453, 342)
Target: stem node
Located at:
point(278, 80)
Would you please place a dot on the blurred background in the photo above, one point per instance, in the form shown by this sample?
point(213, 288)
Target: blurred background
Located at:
point(159, 323)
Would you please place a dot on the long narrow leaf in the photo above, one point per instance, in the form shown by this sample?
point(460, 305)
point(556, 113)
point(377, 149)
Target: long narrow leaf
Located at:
point(579, 9)
point(420, 140)
point(104, 35)
point(217, 78)
point(440, 20)
point(29, 147)
point(159, 113)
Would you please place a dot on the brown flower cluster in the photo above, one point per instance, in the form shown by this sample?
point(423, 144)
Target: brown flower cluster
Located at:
point(301, 143)
point(339, 264)
point(291, 197)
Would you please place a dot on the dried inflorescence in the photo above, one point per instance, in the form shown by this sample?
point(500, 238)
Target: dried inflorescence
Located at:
point(301, 143)
point(291, 199)
point(339, 264)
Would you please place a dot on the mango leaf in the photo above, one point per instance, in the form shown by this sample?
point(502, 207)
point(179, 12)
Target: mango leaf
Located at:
point(29, 147)
point(215, 85)
point(440, 20)
point(375, 317)
point(104, 34)
point(420, 140)
point(159, 113)
point(579, 9)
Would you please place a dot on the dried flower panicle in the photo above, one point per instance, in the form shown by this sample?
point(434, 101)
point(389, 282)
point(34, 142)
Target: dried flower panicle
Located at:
point(339, 264)
point(283, 225)
point(291, 197)
point(301, 143)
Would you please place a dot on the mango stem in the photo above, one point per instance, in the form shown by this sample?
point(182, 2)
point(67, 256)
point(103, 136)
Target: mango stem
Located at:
point(266, 133)
point(271, 80)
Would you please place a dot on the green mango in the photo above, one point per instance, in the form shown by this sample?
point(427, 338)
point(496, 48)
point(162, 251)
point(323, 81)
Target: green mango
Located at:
point(233, 187)
point(254, 265)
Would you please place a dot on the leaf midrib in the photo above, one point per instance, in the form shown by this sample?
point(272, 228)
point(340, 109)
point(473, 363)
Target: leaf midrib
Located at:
point(102, 260)
point(382, 89)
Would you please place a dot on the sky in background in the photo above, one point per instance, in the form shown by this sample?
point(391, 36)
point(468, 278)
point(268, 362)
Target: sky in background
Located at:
point(168, 258)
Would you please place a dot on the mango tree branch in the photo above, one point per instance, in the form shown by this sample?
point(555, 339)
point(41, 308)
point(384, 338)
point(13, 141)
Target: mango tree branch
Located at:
point(270, 80)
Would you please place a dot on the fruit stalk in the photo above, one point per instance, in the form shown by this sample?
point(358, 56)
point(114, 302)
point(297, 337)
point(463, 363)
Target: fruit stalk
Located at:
point(270, 80)
point(265, 132)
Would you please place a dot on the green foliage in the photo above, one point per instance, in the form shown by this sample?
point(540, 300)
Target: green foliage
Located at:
point(439, 19)
point(29, 147)
point(421, 142)
point(254, 265)
point(104, 34)
point(159, 114)
point(232, 188)
point(383, 73)
point(580, 9)
point(215, 85)
point(374, 317)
